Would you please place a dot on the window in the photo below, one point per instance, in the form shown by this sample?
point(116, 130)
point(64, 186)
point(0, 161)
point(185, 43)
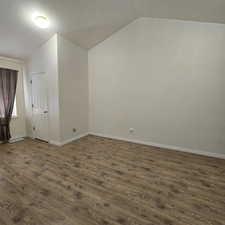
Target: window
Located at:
point(14, 114)
point(10, 65)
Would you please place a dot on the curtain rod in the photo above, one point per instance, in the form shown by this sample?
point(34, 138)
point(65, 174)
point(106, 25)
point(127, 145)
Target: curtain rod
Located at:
point(4, 68)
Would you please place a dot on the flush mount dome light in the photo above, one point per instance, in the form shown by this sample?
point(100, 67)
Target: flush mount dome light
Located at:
point(41, 21)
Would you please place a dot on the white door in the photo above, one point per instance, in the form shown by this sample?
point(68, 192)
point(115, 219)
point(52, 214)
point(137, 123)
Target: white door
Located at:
point(40, 107)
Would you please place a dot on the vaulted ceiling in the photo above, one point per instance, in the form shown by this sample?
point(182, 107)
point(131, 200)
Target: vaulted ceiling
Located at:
point(88, 22)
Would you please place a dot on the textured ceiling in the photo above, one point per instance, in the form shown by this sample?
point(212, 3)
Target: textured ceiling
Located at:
point(88, 22)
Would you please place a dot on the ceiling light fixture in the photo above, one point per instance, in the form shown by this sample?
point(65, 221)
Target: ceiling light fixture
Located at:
point(41, 21)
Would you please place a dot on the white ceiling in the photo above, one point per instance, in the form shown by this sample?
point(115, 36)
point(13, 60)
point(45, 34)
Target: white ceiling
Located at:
point(88, 22)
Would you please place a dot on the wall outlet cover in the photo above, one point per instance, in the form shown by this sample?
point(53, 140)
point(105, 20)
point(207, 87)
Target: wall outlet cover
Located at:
point(131, 130)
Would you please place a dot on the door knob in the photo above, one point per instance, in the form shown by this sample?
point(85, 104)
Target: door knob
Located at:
point(45, 111)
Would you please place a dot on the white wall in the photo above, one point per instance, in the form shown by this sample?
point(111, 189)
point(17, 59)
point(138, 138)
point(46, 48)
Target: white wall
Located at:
point(18, 127)
point(73, 89)
point(45, 59)
point(165, 79)
point(66, 66)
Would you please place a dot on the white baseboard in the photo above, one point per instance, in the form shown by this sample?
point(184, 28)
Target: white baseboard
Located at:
point(55, 143)
point(15, 139)
point(68, 141)
point(170, 147)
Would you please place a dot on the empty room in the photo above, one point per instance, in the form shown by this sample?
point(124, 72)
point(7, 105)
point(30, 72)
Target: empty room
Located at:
point(112, 112)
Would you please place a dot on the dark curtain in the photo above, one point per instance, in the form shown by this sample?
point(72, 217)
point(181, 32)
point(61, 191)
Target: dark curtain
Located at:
point(8, 82)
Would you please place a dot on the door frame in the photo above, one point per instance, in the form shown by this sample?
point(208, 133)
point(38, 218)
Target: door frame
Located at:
point(47, 96)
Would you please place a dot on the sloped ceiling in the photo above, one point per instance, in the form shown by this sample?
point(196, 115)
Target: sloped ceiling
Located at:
point(88, 22)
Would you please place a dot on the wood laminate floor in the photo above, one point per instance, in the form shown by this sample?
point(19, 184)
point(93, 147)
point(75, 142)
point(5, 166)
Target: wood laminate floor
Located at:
point(99, 181)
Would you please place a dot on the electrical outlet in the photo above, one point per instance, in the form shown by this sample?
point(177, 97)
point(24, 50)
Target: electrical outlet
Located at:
point(74, 130)
point(131, 130)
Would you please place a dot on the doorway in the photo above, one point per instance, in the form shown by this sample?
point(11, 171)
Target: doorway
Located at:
point(40, 107)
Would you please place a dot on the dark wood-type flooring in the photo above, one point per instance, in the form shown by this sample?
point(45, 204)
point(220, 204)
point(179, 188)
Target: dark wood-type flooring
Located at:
point(99, 181)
